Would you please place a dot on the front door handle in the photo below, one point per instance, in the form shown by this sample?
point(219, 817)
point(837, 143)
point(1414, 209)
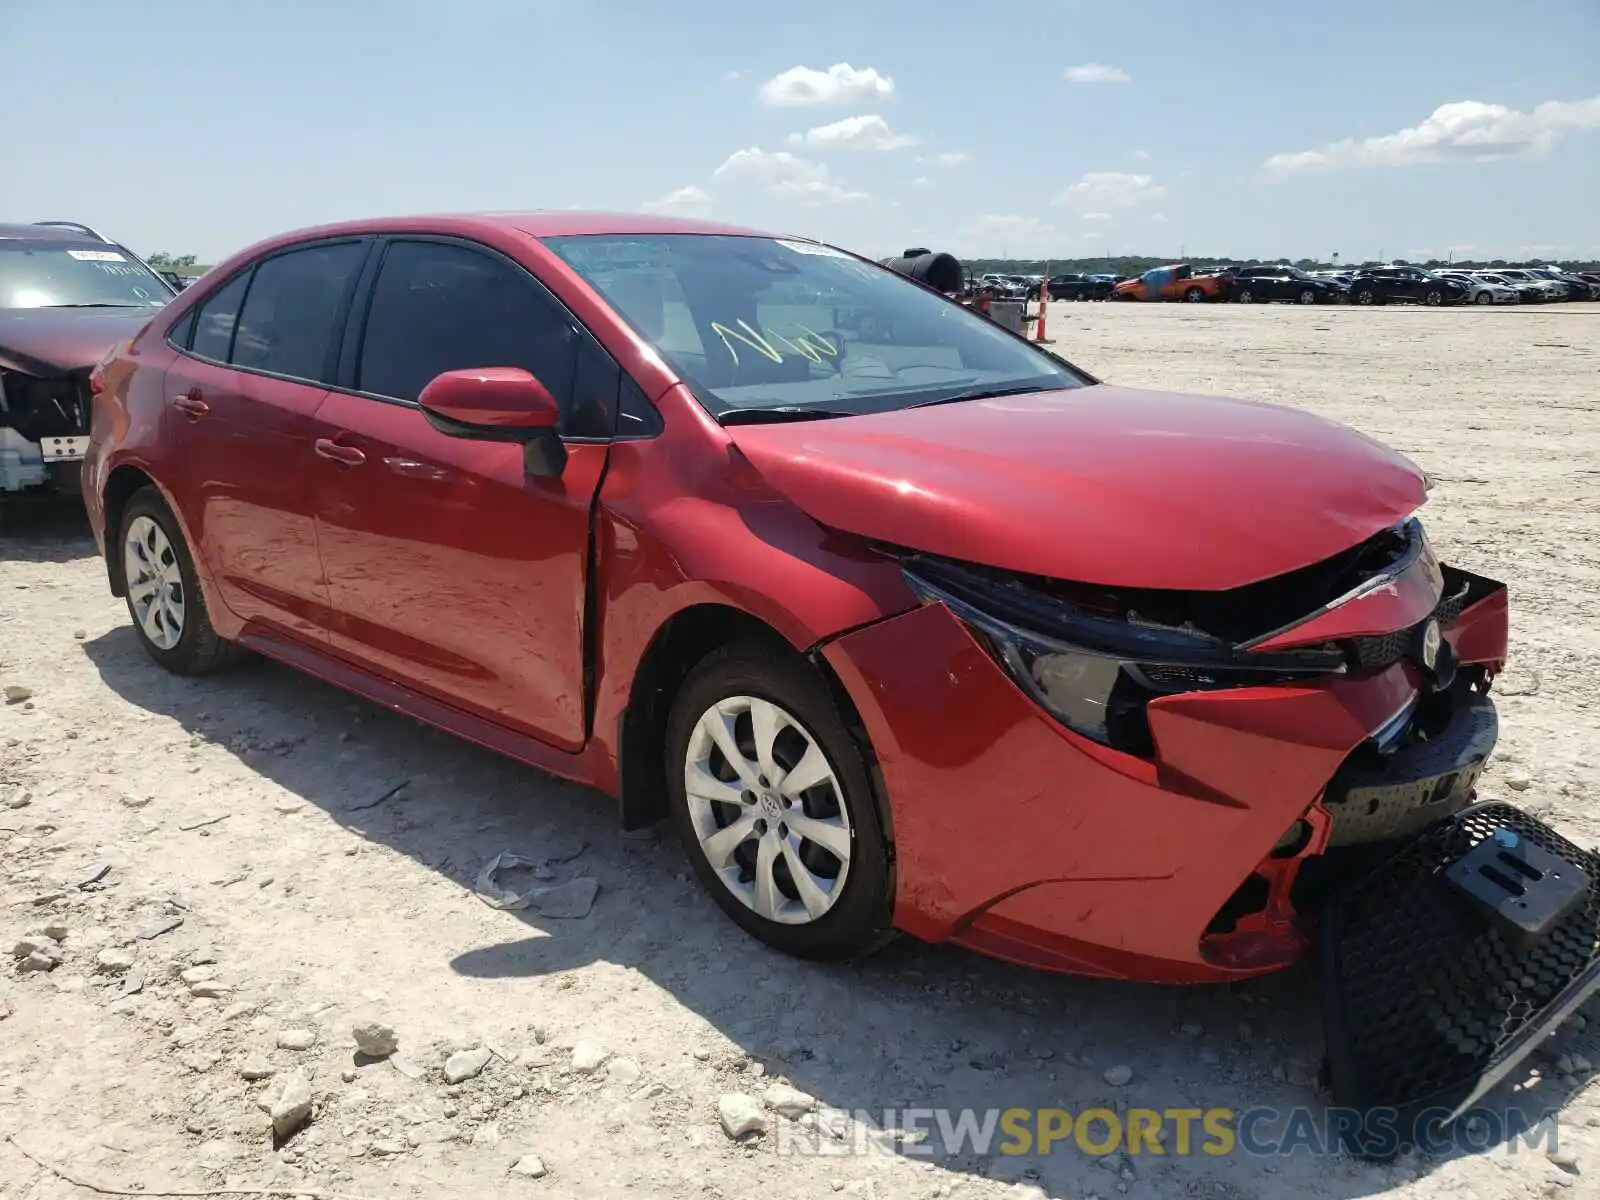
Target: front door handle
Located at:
point(347, 456)
point(191, 405)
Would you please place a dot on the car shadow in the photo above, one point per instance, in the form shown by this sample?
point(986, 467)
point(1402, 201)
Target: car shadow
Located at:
point(44, 528)
point(916, 1027)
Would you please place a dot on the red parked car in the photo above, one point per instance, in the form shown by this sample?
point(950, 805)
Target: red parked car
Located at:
point(903, 623)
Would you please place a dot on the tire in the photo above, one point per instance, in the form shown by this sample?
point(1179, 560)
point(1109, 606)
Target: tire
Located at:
point(1307, 296)
point(1246, 296)
point(1195, 295)
point(1483, 298)
point(195, 649)
point(1365, 296)
point(1433, 298)
point(854, 915)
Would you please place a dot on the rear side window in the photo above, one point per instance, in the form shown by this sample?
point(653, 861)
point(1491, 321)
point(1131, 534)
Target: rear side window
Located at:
point(290, 316)
point(441, 307)
point(213, 328)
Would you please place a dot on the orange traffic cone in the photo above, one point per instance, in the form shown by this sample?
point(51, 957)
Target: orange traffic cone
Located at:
point(1044, 304)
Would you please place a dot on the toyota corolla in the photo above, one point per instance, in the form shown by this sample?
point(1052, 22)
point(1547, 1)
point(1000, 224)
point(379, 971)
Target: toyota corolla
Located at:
point(903, 623)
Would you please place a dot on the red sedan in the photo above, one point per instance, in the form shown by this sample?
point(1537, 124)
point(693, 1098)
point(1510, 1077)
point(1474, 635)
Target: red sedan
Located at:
point(902, 622)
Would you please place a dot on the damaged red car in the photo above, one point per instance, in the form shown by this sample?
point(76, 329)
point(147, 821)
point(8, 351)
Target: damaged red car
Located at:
point(903, 623)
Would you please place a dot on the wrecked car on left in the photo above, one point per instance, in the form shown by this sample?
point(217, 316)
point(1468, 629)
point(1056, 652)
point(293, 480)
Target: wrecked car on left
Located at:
point(68, 295)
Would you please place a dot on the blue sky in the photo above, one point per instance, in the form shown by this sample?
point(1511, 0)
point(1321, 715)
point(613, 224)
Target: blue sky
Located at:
point(1050, 127)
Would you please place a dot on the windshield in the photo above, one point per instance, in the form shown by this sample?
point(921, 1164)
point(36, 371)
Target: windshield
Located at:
point(75, 274)
point(763, 323)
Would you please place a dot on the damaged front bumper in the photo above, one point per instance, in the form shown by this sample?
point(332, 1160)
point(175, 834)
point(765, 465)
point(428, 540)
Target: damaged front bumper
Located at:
point(44, 429)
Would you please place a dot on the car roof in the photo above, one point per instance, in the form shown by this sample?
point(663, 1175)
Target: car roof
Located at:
point(44, 233)
point(539, 224)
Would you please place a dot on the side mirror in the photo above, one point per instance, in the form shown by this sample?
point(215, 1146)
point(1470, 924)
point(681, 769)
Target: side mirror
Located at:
point(498, 404)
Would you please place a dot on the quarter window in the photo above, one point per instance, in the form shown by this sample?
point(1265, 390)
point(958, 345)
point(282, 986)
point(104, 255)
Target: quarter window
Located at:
point(291, 314)
point(213, 327)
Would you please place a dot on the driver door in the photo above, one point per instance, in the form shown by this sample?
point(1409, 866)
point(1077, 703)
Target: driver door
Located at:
point(450, 569)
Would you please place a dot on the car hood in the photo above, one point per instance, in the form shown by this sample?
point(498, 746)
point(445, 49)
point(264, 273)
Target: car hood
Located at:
point(1098, 484)
point(49, 341)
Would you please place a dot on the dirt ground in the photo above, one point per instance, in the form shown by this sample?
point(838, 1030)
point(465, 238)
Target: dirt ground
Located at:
point(247, 807)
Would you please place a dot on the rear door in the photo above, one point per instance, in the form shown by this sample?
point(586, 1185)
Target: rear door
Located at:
point(252, 369)
point(450, 569)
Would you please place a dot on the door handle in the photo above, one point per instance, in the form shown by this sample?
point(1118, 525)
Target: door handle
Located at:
point(191, 405)
point(347, 456)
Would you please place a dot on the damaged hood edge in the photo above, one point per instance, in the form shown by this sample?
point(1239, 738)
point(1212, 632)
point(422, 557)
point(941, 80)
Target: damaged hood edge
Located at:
point(1098, 485)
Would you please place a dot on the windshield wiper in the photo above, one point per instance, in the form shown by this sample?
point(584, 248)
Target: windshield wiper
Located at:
point(777, 412)
point(98, 304)
point(983, 394)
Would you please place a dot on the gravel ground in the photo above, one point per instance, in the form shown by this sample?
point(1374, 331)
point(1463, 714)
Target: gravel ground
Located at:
point(233, 897)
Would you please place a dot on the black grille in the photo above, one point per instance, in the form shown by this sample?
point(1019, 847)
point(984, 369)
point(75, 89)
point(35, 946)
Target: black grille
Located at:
point(1385, 649)
point(40, 408)
point(1426, 1003)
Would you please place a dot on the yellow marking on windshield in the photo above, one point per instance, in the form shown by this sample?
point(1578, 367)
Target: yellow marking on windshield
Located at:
point(755, 341)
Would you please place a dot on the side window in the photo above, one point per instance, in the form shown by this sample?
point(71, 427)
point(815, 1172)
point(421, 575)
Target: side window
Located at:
point(183, 331)
point(440, 307)
point(290, 316)
point(213, 327)
point(636, 416)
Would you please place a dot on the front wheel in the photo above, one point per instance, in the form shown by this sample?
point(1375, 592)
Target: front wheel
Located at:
point(1366, 296)
point(163, 590)
point(1484, 298)
point(1246, 296)
point(774, 804)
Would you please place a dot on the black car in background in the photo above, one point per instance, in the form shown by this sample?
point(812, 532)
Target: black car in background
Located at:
point(1256, 285)
point(1073, 286)
point(1385, 285)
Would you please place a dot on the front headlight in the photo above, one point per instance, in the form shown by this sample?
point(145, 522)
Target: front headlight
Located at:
point(1097, 675)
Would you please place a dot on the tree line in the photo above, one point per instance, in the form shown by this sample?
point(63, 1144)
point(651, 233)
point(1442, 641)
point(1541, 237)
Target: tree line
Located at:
point(1131, 265)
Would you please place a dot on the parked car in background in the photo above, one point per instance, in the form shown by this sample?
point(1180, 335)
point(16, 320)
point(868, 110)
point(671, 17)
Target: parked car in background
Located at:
point(1253, 285)
point(1179, 281)
point(1578, 288)
point(1552, 289)
point(1528, 292)
point(1080, 287)
point(1483, 291)
point(1385, 285)
point(67, 295)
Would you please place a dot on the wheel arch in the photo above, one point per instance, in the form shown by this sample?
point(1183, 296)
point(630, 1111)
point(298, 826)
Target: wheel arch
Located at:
point(681, 643)
point(121, 486)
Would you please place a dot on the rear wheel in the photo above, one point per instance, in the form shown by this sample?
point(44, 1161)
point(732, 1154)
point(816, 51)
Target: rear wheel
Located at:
point(1365, 296)
point(1195, 295)
point(773, 801)
point(1307, 296)
point(1246, 296)
point(1483, 298)
point(1433, 298)
point(163, 591)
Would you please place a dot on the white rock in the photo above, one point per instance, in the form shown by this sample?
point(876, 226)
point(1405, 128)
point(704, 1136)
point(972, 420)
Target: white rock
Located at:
point(32, 943)
point(296, 1039)
point(529, 1166)
point(198, 974)
point(466, 1064)
point(1519, 781)
point(40, 960)
point(293, 1105)
point(20, 798)
point(256, 1068)
point(587, 1056)
point(134, 800)
point(375, 1039)
point(788, 1101)
point(741, 1115)
point(1566, 1161)
point(624, 1070)
point(1118, 1076)
point(112, 961)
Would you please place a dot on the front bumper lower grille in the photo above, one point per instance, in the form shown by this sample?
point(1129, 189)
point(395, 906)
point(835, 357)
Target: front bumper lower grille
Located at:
point(1384, 650)
point(1429, 1002)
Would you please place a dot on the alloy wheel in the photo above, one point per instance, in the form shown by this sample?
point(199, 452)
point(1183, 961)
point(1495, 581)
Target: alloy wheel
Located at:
point(768, 810)
point(155, 583)
point(1307, 296)
point(1247, 297)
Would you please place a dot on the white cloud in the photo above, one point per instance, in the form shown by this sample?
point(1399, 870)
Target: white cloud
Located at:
point(1098, 191)
point(1096, 73)
point(950, 158)
point(785, 174)
point(732, 75)
point(682, 200)
point(1096, 216)
point(921, 181)
point(1465, 131)
point(853, 133)
point(805, 87)
point(1142, 155)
